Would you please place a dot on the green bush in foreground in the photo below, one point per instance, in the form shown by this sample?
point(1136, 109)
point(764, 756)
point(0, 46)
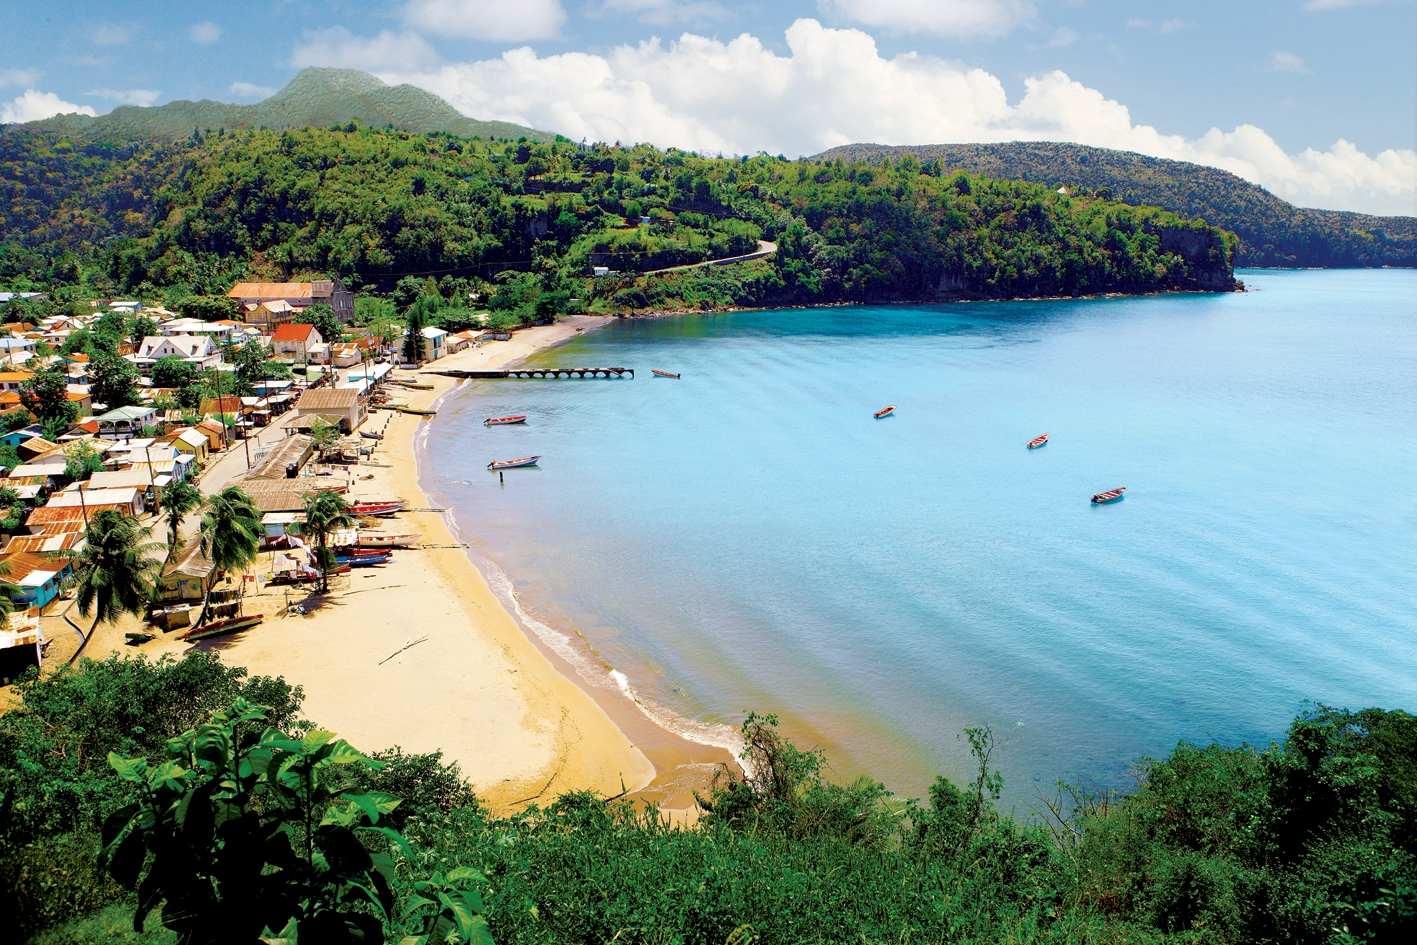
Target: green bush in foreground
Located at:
point(1307, 841)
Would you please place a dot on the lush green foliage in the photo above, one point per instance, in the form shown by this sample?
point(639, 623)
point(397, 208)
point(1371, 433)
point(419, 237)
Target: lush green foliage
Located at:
point(178, 500)
point(1272, 231)
point(325, 513)
point(515, 227)
point(115, 570)
point(45, 396)
point(1307, 841)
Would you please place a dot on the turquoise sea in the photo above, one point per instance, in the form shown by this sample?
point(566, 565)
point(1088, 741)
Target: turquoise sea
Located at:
point(749, 537)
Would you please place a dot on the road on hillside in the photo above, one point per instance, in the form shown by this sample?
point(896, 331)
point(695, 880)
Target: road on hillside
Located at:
point(765, 248)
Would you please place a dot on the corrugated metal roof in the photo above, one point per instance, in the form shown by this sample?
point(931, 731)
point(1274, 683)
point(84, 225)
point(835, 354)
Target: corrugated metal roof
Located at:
point(281, 290)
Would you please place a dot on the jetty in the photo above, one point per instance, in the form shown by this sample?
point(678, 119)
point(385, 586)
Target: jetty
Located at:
point(536, 372)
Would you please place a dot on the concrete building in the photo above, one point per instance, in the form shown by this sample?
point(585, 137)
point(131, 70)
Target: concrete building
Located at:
point(297, 295)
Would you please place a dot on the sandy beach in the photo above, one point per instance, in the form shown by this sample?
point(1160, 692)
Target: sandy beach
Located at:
point(421, 653)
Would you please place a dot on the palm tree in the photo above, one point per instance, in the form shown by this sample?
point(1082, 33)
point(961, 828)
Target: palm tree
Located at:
point(115, 571)
point(325, 513)
point(230, 533)
point(7, 596)
point(177, 500)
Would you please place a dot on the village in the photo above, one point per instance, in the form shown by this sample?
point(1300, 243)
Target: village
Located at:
point(266, 402)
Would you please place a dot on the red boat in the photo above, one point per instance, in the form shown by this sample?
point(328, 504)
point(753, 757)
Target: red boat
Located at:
point(374, 509)
point(885, 412)
point(217, 628)
point(669, 374)
point(283, 578)
point(361, 552)
point(1037, 441)
point(504, 421)
point(1111, 495)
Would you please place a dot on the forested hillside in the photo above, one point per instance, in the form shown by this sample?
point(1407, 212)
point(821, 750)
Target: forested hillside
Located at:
point(314, 98)
point(201, 802)
point(532, 218)
point(1272, 232)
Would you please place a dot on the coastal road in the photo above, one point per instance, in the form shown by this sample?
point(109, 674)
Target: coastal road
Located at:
point(765, 249)
point(231, 465)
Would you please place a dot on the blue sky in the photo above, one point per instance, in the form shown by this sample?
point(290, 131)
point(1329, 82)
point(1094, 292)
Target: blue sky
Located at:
point(1316, 99)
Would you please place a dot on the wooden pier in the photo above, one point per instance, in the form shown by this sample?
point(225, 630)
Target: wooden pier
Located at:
point(534, 372)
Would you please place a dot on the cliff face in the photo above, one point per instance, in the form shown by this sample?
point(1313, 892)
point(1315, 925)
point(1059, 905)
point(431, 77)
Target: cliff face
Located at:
point(1206, 257)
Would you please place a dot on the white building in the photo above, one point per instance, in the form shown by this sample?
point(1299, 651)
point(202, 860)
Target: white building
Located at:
point(198, 350)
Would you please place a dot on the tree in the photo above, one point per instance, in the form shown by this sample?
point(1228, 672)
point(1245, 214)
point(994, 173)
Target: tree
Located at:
point(177, 500)
point(113, 380)
point(172, 371)
point(210, 308)
point(418, 317)
point(8, 592)
point(142, 327)
point(325, 513)
point(114, 573)
point(324, 434)
point(81, 461)
point(246, 834)
point(46, 395)
point(326, 323)
point(230, 533)
point(12, 510)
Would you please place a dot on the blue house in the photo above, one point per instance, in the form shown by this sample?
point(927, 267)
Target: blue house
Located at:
point(36, 578)
point(16, 437)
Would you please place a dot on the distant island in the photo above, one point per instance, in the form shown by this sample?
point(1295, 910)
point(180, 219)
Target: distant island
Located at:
point(1272, 231)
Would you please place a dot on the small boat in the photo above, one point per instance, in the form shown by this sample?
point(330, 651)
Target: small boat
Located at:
point(417, 411)
point(218, 628)
point(364, 560)
point(283, 578)
point(504, 421)
point(1039, 440)
point(374, 509)
point(137, 637)
point(371, 436)
point(385, 540)
point(357, 552)
point(669, 374)
point(1111, 495)
point(884, 412)
point(518, 463)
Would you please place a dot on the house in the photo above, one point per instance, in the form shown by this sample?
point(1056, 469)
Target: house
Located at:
point(215, 432)
point(217, 331)
point(143, 478)
point(130, 307)
point(56, 543)
point(226, 404)
point(298, 295)
point(82, 398)
point(267, 315)
point(189, 576)
point(11, 380)
point(37, 578)
point(37, 446)
point(17, 436)
point(198, 350)
point(342, 405)
point(434, 343)
point(16, 346)
point(455, 342)
point(22, 296)
point(125, 422)
point(192, 441)
point(295, 340)
point(128, 499)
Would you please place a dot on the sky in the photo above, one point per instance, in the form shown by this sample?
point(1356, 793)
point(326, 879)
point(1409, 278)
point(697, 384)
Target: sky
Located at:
point(1315, 100)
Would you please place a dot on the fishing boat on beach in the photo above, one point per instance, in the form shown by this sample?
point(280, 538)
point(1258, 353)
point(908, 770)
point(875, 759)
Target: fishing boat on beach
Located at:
point(1110, 496)
point(518, 463)
point(364, 559)
point(669, 374)
point(219, 628)
point(375, 509)
point(369, 435)
point(504, 421)
point(311, 576)
point(884, 412)
point(1039, 440)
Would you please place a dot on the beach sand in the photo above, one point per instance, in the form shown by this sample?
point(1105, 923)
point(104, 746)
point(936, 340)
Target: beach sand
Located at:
point(422, 654)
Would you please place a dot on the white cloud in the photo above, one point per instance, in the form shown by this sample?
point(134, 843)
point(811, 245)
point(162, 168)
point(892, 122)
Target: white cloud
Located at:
point(944, 17)
point(112, 34)
point(26, 77)
point(833, 87)
point(337, 46)
point(1061, 37)
point(1172, 25)
point(127, 96)
point(204, 33)
point(1282, 61)
point(664, 12)
point(32, 105)
point(491, 22)
point(250, 90)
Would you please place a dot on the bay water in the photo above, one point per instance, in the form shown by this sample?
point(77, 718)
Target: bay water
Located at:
point(750, 538)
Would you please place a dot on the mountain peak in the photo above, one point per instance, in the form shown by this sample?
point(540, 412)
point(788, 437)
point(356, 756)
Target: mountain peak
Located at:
point(315, 97)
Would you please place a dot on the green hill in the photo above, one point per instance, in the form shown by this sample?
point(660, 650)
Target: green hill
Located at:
point(1272, 231)
point(314, 98)
point(375, 206)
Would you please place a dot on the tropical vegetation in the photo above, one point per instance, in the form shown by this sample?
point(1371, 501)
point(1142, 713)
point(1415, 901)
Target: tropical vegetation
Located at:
point(215, 806)
point(510, 232)
point(114, 573)
point(325, 513)
point(229, 534)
